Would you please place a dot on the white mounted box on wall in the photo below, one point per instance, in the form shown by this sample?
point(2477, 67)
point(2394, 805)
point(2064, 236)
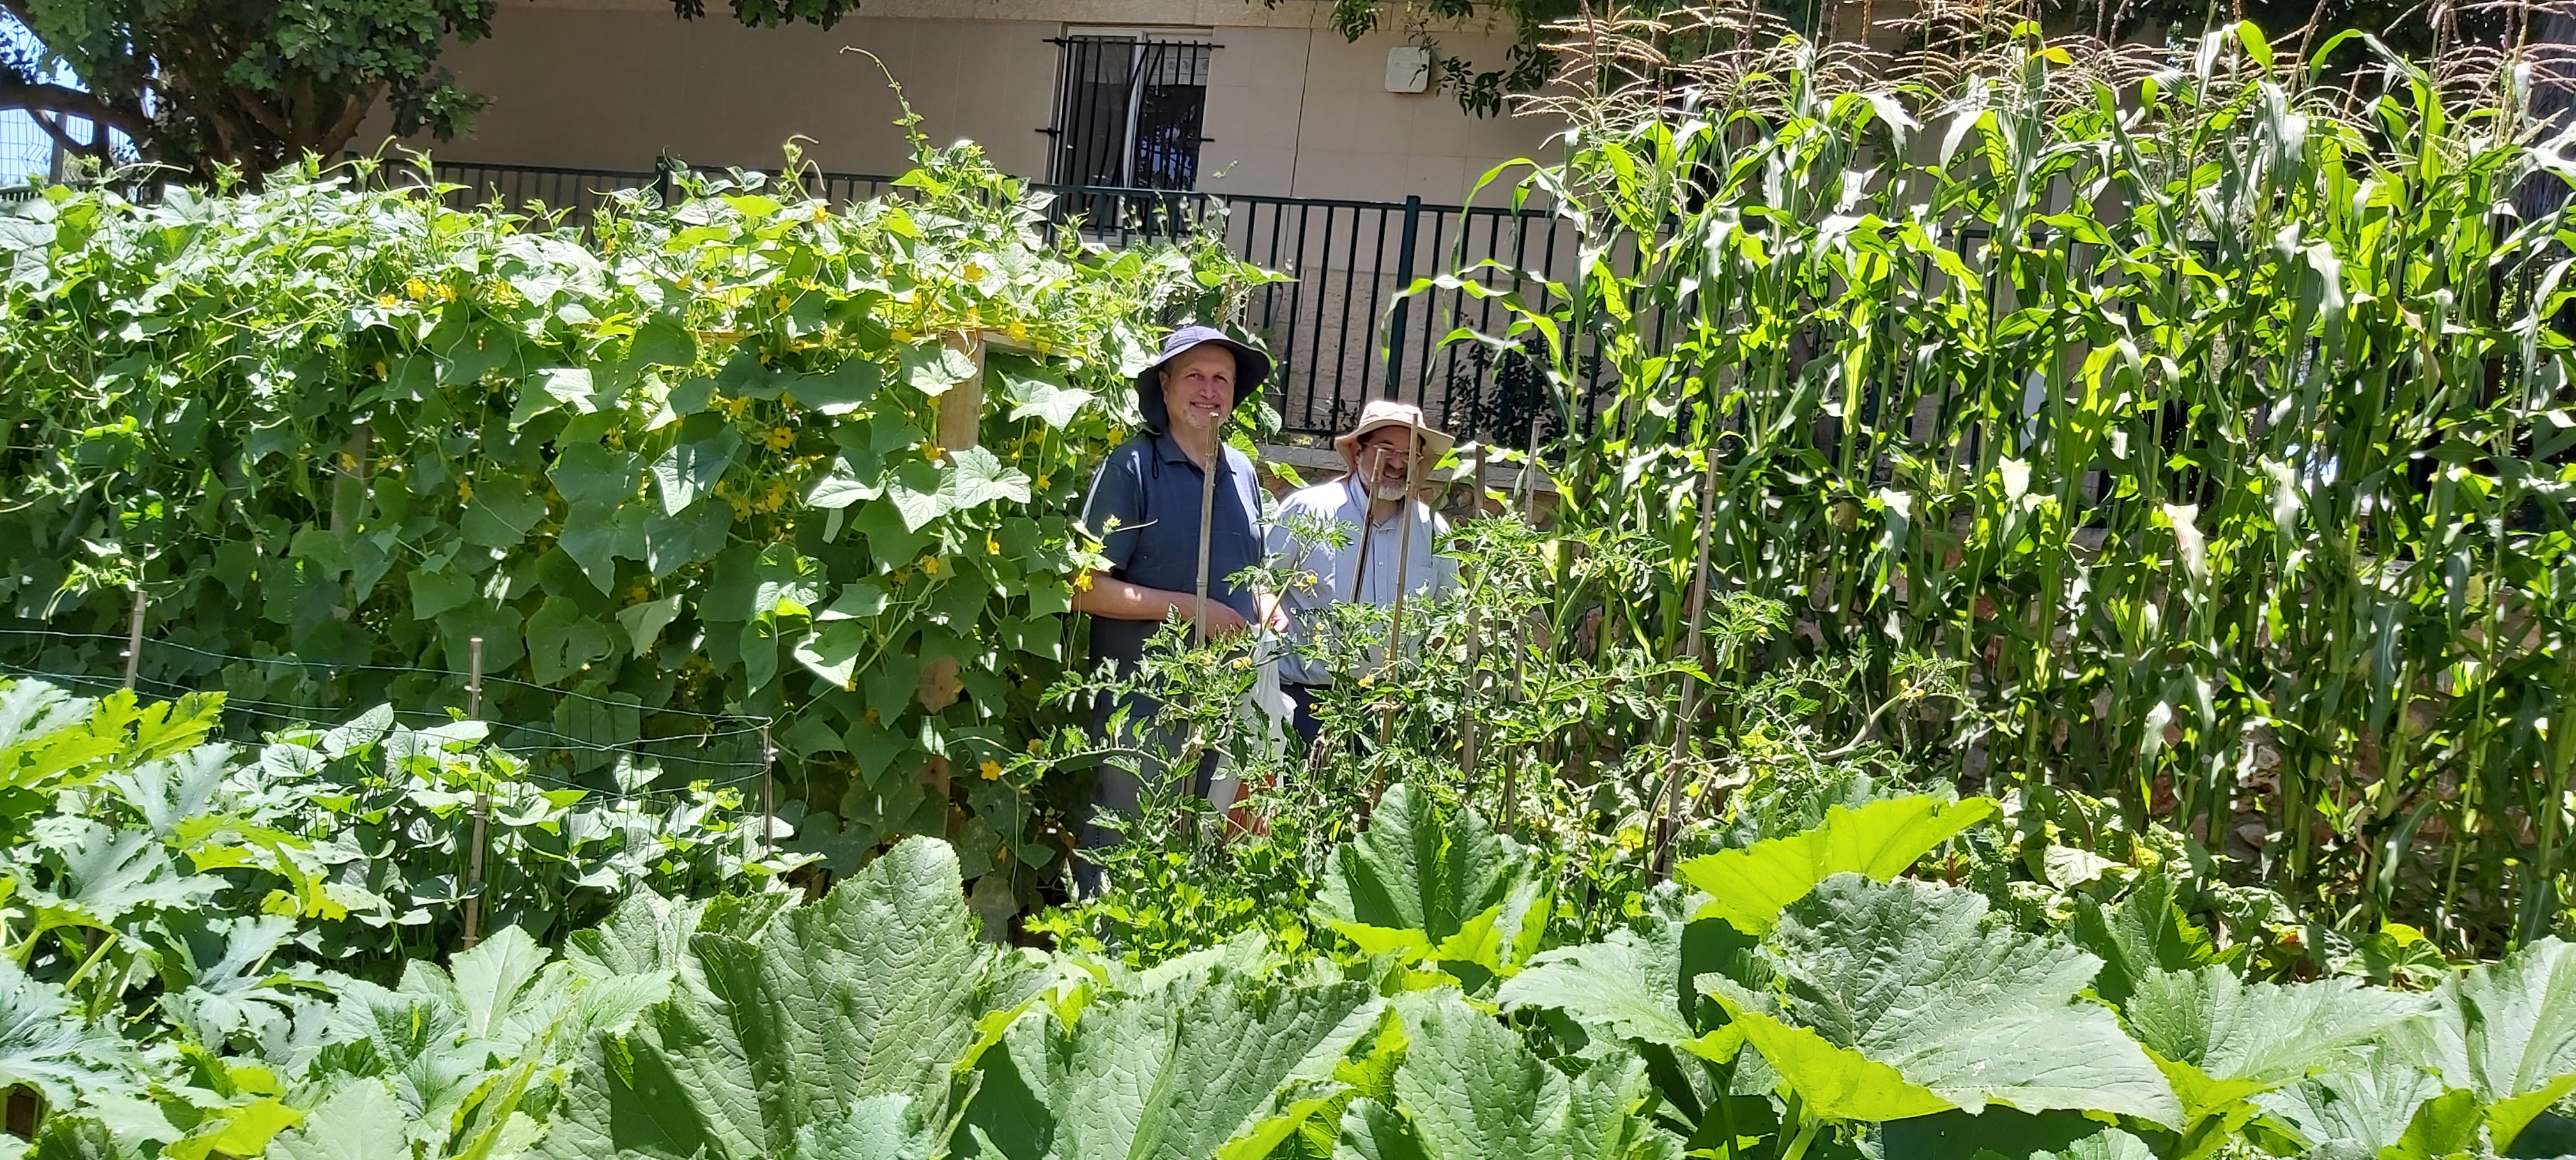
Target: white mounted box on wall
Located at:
point(1408, 69)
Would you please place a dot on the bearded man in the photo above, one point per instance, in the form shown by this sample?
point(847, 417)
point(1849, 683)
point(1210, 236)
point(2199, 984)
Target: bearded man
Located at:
point(1371, 504)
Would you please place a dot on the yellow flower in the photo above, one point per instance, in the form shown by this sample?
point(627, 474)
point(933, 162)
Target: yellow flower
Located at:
point(782, 304)
point(1019, 330)
point(416, 289)
point(932, 451)
point(992, 547)
point(871, 716)
point(1082, 583)
point(822, 212)
point(446, 293)
point(388, 300)
point(348, 462)
point(780, 438)
point(1042, 479)
point(734, 407)
point(1036, 744)
point(974, 273)
point(930, 565)
point(992, 770)
point(380, 368)
point(464, 491)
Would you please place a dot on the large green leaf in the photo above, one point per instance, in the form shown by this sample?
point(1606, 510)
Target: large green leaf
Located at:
point(1638, 983)
point(2139, 934)
point(1213, 1061)
point(362, 1121)
point(1469, 1089)
point(872, 992)
point(1749, 886)
point(1911, 981)
point(1423, 885)
point(46, 1045)
point(2507, 1031)
point(2365, 1107)
point(2222, 1039)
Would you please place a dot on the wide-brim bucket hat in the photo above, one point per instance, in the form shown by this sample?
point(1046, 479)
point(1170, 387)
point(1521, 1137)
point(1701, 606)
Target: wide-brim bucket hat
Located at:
point(1381, 413)
point(1251, 369)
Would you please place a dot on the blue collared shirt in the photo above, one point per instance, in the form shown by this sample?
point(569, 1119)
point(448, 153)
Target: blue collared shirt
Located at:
point(1152, 487)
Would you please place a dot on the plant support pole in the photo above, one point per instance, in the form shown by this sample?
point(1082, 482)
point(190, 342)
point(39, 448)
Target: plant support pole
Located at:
point(482, 803)
point(1403, 568)
point(1668, 803)
point(134, 640)
point(1207, 521)
point(1475, 651)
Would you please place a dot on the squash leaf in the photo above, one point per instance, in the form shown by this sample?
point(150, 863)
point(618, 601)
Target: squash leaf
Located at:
point(1749, 886)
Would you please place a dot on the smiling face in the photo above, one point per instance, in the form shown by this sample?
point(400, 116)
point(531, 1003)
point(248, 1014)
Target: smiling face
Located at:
point(1385, 459)
point(1198, 388)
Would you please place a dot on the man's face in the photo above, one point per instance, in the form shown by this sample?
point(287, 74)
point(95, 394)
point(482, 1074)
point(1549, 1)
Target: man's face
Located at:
point(1386, 461)
point(1198, 387)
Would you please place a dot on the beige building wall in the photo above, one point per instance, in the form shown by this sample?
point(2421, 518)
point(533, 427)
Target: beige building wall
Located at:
point(1292, 108)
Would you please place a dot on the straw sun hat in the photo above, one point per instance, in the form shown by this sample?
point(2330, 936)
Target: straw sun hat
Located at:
point(1390, 413)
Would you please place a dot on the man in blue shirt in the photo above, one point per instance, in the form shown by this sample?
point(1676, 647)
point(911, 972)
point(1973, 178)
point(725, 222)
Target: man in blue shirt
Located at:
point(1145, 506)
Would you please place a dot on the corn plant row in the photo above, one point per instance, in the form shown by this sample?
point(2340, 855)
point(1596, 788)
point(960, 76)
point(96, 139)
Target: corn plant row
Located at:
point(2196, 437)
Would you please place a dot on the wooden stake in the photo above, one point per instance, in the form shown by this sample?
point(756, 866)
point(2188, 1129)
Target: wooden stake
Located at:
point(1207, 521)
point(134, 640)
point(1475, 653)
point(961, 407)
point(482, 804)
point(1668, 802)
point(1403, 568)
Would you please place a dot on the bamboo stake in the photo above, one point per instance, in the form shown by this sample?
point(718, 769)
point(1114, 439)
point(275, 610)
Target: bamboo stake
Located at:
point(1668, 801)
point(1403, 565)
point(1475, 654)
point(482, 803)
point(1368, 496)
point(768, 806)
point(134, 640)
point(1207, 520)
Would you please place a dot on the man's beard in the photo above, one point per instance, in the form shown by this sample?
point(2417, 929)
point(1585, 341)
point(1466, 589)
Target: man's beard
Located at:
point(1390, 491)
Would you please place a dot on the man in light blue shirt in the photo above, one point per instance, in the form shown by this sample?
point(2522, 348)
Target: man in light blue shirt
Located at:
point(1370, 506)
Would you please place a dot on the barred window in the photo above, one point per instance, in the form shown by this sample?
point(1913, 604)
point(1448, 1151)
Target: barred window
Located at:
point(1129, 111)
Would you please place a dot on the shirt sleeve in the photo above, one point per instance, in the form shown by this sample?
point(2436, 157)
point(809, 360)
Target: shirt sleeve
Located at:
point(1117, 493)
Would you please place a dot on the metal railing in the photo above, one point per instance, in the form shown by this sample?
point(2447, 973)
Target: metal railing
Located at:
point(1338, 331)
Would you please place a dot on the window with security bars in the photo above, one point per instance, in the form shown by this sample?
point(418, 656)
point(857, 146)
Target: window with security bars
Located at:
point(1129, 111)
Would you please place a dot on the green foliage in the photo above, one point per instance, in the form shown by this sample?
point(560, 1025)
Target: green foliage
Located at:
point(292, 79)
point(2098, 436)
point(684, 465)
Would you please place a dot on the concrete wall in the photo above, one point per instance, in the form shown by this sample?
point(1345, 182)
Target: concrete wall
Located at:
point(1293, 109)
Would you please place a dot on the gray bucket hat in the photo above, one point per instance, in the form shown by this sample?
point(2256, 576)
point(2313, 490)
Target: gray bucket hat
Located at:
point(1251, 369)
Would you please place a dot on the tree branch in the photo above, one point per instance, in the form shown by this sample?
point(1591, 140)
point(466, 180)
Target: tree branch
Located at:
point(63, 100)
